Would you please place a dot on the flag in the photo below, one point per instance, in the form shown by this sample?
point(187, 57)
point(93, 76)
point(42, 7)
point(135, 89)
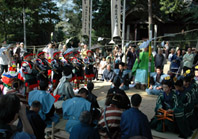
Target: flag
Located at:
point(115, 18)
point(85, 17)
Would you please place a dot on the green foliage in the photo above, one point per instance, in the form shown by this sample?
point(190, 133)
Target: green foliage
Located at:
point(41, 18)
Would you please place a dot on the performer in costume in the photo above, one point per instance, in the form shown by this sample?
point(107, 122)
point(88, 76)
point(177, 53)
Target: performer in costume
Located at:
point(42, 65)
point(57, 66)
point(78, 69)
point(67, 61)
point(184, 109)
point(166, 101)
point(191, 88)
point(89, 63)
point(29, 72)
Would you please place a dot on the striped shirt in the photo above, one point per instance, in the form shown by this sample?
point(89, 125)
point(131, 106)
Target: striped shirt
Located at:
point(113, 117)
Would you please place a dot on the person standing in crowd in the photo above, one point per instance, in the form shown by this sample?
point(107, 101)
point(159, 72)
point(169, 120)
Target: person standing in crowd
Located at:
point(30, 73)
point(4, 61)
point(84, 51)
point(22, 51)
point(97, 65)
point(102, 67)
point(171, 54)
point(78, 69)
point(118, 58)
point(64, 48)
point(110, 62)
point(134, 122)
point(57, 67)
point(17, 52)
point(131, 57)
point(176, 60)
point(188, 59)
point(84, 129)
point(167, 49)
point(43, 65)
point(10, 110)
point(89, 65)
point(159, 59)
point(140, 69)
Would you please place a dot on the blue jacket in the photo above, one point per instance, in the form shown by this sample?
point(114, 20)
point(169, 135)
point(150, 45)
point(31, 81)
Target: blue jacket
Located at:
point(72, 109)
point(84, 131)
point(134, 123)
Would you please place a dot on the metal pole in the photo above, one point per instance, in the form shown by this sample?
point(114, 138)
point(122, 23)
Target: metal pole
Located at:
point(24, 27)
point(90, 28)
point(123, 29)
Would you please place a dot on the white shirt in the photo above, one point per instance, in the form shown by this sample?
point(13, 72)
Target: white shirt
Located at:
point(4, 59)
point(188, 60)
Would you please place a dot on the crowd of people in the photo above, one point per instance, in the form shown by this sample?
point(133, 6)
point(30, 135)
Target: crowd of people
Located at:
point(58, 73)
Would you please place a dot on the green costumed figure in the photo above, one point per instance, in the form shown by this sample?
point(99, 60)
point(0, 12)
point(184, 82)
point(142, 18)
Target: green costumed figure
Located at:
point(184, 108)
point(140, 69)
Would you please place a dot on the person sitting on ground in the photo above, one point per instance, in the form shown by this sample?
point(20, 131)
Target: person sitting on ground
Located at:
point(191, 88)
point(83, 129)
point(124, 76)
point(116, 90)
point(10, 110)
point(47, 112)
point(93, 99)
point(134, 122)
point(73, 107)
point(155, 84)
point(168, 102)
point(110, 119)
point(38, 125)
point(108, 74)
point(65, 88)
point(183, 109)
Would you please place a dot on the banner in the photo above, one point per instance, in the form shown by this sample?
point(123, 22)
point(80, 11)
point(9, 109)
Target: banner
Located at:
point(115, 18)
point(85, 17)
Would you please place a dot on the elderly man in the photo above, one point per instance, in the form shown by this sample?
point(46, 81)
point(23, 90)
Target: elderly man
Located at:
point(188, 59)
point(108, 74)
point(159, 59)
